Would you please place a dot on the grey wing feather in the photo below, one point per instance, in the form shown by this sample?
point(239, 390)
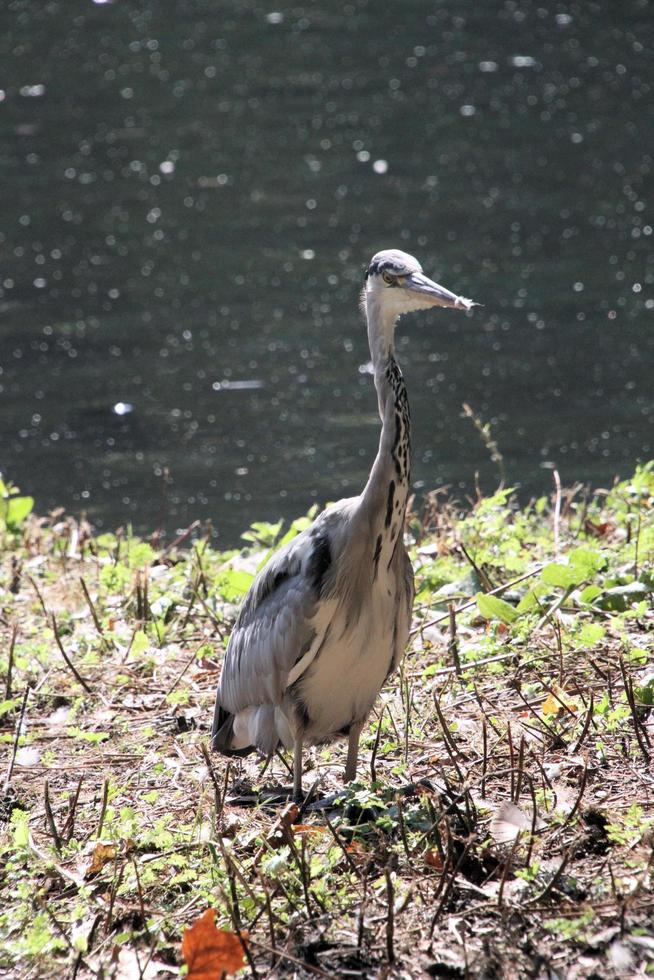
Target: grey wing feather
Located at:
point(273, 629)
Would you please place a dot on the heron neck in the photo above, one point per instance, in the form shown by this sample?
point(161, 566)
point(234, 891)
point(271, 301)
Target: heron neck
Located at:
point(385, 495)
point(381, 331)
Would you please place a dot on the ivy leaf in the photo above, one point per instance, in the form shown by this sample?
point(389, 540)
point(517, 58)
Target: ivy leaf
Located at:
point(210, 952)
point(490, 607)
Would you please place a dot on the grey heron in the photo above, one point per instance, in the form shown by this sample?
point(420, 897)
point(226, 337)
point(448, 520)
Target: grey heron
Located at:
point(327, 619)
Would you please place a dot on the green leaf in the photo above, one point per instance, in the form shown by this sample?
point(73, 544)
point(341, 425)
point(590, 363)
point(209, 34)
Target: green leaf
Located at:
point(263, 533)
point(21, 824)
point(529, 600)
point(6, 706)
point(140, 643)
point(17, 509)
point(93, 737)
point(645, 693)
point(563, 576)
point(591, 634)
point(490, 607)
point(233, 584)
point(589, 593)
point(587, 560)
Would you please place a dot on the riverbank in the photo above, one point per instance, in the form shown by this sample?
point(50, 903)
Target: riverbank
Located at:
point(522, 715)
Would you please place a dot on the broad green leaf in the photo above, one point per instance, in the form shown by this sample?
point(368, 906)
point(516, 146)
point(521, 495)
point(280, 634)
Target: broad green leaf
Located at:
point(587, 560)
point(140, 643)
point(233, 584)
point(17, 509)
point(563, 576)
point(529, 600)
point(591, 634)
point(21, 824)
point(589, 593)
point(263, 532)
point(490, 607)
point(645, 692)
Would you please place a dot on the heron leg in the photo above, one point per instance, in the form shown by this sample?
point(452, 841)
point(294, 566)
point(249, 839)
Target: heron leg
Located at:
point(298, 795)
point(352, 753)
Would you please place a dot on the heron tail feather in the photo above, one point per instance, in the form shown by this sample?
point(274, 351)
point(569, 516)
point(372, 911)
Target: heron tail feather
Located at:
point(222, 734)
point(261, 727)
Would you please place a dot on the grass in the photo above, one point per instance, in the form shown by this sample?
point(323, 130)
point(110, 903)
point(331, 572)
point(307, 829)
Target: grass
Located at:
point(522, 715)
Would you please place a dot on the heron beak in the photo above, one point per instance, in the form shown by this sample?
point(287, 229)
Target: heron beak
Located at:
point(436, 295)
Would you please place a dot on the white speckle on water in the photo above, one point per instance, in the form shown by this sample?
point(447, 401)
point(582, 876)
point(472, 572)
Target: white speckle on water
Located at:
point(523, 61)
point(246, 385)
point(467, 110)
point(380, 166)
point(122, 408)
point(32, 91)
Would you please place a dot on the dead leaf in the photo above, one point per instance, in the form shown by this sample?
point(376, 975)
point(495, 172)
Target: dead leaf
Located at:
point(282, 829)
point(209, 952)
point(433, 859)
point(558, 701)
point(509, 820)
point(598, 530)
point(307, 829)
point(101, 855)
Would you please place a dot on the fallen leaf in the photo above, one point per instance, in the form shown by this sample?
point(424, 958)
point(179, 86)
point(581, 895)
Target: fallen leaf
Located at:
point(556, 701)
point(282, 829)
point(598, 530)
point(209, 952)
point(433, 859)
point(306, 829)
point(101, 855)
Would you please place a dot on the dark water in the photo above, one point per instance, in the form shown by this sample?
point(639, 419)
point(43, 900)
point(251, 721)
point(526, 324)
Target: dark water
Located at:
point(190, 194)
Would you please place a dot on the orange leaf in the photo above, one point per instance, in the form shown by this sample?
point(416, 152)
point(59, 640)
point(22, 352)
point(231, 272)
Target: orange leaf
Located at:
point(282, 830)
point(558, 701)
point(101, 855)
point(306, 829)
point(210, 952)
point(433, 859)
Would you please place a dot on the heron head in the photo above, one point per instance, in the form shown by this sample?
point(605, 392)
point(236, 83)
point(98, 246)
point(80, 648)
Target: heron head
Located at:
point(396, 284)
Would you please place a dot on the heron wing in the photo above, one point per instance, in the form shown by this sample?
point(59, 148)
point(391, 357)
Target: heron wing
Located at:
point(279, 623)
point(406, 593)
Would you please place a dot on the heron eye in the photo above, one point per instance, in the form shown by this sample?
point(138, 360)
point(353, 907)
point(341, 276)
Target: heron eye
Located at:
point(388, 278)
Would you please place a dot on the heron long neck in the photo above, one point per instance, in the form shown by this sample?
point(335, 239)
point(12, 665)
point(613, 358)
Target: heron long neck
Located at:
point(385, 495)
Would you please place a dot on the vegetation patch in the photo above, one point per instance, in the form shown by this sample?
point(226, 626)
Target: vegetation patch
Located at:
point(503, 822)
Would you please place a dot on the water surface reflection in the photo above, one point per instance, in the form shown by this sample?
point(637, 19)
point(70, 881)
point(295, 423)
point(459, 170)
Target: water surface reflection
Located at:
point(192, 192)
